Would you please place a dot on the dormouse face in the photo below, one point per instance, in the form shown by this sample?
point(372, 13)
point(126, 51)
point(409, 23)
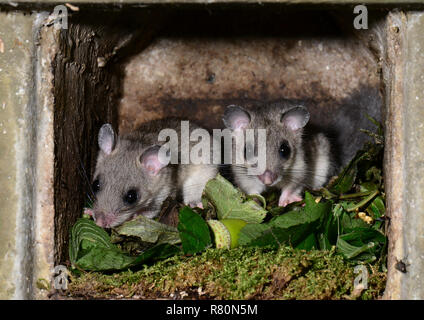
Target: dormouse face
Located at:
point(125, 176)
point(284, 125)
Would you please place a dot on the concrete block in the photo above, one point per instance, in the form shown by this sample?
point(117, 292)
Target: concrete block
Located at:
point(16, 156)
point(26, 157)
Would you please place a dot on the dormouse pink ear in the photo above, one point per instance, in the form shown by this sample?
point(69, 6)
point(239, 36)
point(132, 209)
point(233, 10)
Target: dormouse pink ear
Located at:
point(295, 118)
point(152, 162)
point(107, 138)
point(236, 118)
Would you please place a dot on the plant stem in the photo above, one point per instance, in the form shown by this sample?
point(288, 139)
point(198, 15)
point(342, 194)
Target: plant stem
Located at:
point(363, 202)
point(354, 195)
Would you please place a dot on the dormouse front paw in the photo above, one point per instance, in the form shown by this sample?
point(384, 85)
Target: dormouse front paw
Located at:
point(287, 197)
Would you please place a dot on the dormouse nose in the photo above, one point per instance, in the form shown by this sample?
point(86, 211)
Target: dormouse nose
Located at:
point(100, 219)
point(267, 177)
point(104, 220)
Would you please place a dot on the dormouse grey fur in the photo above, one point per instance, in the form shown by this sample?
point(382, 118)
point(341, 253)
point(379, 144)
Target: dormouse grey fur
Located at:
point(130, 180)
point(294, 161)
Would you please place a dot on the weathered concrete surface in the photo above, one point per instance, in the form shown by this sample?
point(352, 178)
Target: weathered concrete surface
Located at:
point(26, 157)
point(393, 76)
point(16, 156)
point(404, 155)
point(412, 283)
point(43, 223)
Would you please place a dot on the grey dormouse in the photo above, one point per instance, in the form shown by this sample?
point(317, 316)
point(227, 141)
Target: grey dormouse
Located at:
point(294, 161)
point(130, 179)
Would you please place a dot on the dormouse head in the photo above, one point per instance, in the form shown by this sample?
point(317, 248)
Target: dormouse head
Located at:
point(126, 178)
point(284, 123)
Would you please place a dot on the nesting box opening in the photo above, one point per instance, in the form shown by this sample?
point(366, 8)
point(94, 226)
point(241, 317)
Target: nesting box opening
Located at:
point(138, 64)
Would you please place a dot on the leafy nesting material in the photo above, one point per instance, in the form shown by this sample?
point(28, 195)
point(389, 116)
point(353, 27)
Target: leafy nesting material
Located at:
point(231, 203)
point(361, 240)
point(291, 228)
point(364, 170)
point(85, 234)
point(149, 230)
point(91, 249)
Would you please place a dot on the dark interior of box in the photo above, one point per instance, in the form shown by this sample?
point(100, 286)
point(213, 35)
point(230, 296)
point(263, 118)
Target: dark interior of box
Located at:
point(132, 65)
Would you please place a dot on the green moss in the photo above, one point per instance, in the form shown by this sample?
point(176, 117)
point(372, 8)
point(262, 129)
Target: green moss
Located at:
point(240, 273)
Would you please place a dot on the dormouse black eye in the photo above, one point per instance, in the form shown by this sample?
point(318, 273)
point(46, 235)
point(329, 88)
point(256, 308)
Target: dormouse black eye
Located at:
point(284, 150)
point(131, 196)
point(96, 186)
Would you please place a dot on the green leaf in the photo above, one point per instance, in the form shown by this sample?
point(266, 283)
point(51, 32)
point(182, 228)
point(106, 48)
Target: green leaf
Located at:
point(158, 252)
point(194, 231)
point(346, 178)
point(361, 236)
point(309, 243)
point(291, 228)
point(149, 230)
point(90, 249)
point(91, 235)
point(368, 186)
point(348, 223)
point(363, 165)
point(250, 232)
point(361, 244)
point(275, 237)
point(374, 174)
point(230, 203)
point(324, 243)
point(377, 208)
point(349, 251)
point(311, 212)
point(104, 259)
point(330, 228)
